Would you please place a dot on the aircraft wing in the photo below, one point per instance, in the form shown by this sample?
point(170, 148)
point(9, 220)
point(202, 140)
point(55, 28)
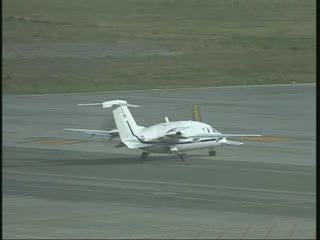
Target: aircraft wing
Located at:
point(102, 133)
point(222, 135)
point(177, 134)
point(228, 142)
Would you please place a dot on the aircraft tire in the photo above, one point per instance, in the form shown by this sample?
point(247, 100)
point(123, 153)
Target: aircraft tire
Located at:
point(144, 156)
point(212, 153)
point(182, 157)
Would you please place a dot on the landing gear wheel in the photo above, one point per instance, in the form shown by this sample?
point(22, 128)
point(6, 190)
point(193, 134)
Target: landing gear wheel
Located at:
point(182, 157)
point(212, 153)
point(144, 156)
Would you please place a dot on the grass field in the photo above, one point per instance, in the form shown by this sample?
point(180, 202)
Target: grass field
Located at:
point(98, 45)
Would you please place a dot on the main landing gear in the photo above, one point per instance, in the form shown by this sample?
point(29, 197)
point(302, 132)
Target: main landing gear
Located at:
point(182, 156)
point(212, 153)
point(144, 156)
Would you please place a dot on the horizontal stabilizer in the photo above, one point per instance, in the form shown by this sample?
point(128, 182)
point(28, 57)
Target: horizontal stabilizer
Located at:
point(110, 133)
point(109, 104)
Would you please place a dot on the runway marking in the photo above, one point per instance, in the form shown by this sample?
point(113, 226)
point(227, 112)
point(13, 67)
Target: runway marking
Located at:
point(9, 132)
point(164, 193)
point(200, 232)
point(172, 196)
point(270, 230)
point(266, 139)
point(208, 199)
point(223, 233)
point(57, 141)
point(61, 176)
point(245, 232)
point(170, 89)
point(292, 230)
point(24, 236)
point(153, 234)
point(242, 168)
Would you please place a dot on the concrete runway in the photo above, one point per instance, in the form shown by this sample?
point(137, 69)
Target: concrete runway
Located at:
point(61, 185)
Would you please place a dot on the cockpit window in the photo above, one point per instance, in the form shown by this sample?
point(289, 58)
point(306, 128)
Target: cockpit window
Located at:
point(213, 130)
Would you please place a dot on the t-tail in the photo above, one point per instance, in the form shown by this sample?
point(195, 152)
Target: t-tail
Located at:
point(127, 126)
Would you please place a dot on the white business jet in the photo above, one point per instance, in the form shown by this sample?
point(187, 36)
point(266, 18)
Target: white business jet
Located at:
point(175, 137)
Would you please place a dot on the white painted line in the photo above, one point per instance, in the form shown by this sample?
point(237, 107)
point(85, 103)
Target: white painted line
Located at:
point(164, 193)
point(178, 197)
point(25, 236)
point(61, 177)
point(168, 89)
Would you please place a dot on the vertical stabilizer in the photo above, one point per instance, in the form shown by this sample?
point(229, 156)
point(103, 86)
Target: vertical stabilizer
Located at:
point(127, 126)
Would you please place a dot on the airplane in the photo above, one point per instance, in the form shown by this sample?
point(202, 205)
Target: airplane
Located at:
point(176, 137)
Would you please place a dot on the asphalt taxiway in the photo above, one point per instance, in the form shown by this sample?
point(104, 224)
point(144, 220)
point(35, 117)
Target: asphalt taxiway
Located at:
point(62, 185)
